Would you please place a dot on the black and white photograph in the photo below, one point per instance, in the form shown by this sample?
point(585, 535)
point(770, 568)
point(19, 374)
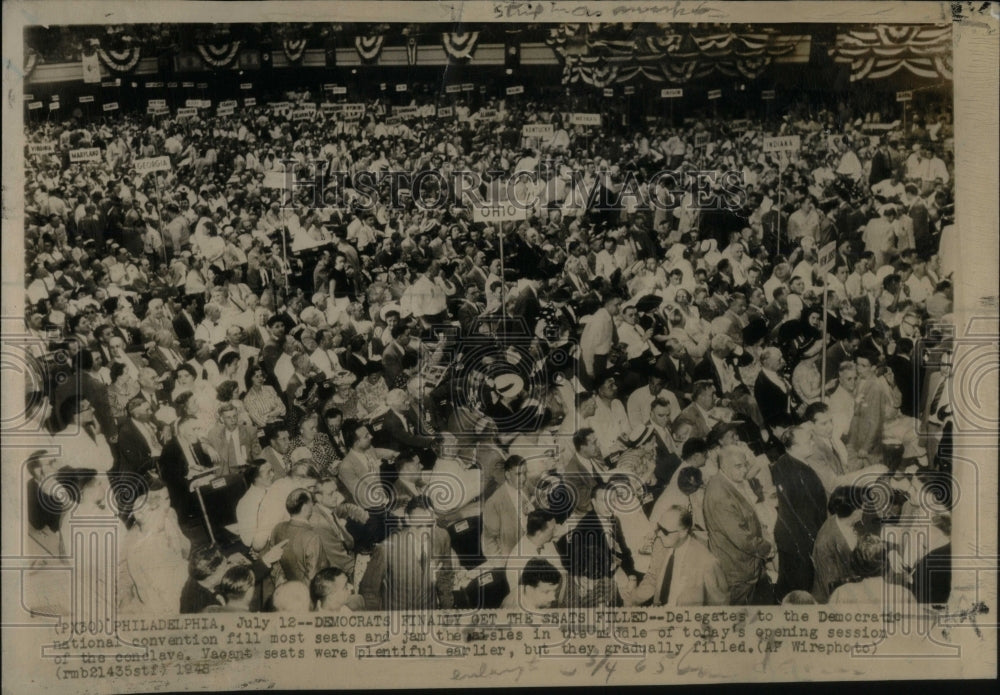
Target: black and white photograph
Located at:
point(494, 343)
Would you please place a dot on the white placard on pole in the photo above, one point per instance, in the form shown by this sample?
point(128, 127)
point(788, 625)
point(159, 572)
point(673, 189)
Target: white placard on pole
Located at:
point(671, 93)
point(87, 154)
point(782, 143)
point(500, 212)
point(537, 130)
point(585, 119)
point(151, 164)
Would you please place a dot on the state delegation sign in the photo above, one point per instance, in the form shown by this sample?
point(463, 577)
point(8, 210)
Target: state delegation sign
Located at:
point(537, 130)
point(783, 143)
point(88, 154)
point(501, 212)
point(151, 164)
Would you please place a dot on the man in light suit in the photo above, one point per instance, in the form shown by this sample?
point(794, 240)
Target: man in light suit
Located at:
point(698, 414)
point(505, 510)
point(682, 571)
point(735, 534)
point(237, 444)
point(327, 520)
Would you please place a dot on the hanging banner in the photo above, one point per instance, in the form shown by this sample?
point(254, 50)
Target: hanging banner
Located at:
point(586, 119)
point(89, 154)
point(88, 99)
point(113, 106)
point(517, 89)
point(671, 93)
point(151, 164)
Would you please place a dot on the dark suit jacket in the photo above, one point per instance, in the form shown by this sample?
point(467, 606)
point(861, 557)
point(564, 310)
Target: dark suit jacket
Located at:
point(678, 379)
point(588, 553)
point(174, 470)
point(774, 404)
point(582, 481)
point(183, 328)
point(801, 506)
point(863, 312)
point(134, 454)
point(706, 370)
point(397, 437)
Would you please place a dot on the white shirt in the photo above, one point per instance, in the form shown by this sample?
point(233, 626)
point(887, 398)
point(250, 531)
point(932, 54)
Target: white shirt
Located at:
point(610, 423)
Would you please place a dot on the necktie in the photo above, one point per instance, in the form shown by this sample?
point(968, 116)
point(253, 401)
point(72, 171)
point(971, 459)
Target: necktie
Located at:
point(937, 398)
point(668, 574)
point(235, 445)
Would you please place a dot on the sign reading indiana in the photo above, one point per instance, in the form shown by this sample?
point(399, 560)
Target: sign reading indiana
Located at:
point(783, 143)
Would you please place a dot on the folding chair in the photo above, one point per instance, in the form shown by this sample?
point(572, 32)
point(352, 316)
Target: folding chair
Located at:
point(217, 498)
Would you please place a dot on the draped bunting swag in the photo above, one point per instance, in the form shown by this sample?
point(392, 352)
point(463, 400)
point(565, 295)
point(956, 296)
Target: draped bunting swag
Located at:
point(120, 61)
point(219, 55)
point(460, 45)
point(882, 50)
point(294, 49)
point(369, 48)
point(672, 58)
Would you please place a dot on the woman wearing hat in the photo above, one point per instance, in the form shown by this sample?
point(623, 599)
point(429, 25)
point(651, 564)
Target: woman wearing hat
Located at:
point(345, 398)
point(372, 390)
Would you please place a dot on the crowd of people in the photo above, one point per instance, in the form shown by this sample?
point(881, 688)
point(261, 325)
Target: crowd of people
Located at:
point(346, 398)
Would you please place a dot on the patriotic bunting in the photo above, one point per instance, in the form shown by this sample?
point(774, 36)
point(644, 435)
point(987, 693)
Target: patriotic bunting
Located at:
point(460, 45)
point(219, 55)
point(880, 51)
